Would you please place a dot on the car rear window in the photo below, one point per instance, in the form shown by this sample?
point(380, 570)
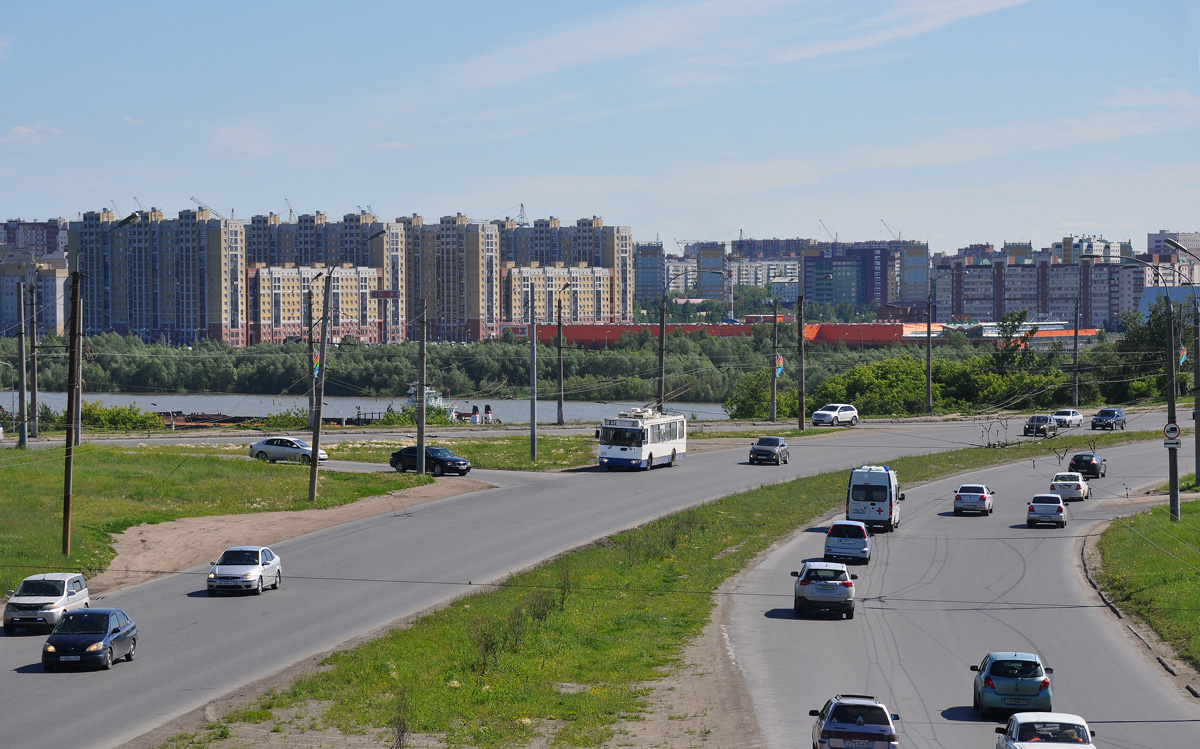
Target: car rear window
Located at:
point(971, 489)
point(870, 714)
point(824, 575)
point(847, 531)
point(1016, 669)
point(1082, 458)
point(1065, 477)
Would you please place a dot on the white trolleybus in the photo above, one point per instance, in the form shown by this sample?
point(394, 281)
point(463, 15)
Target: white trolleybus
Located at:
point(642, 438)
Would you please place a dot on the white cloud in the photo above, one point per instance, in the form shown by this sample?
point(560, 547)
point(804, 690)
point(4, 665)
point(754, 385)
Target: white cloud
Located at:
point(29, 133)
point(131, 120)
point(245, 140)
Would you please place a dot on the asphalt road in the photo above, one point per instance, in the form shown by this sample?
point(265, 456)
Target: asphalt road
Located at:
point(943, 591)
point(352, 579)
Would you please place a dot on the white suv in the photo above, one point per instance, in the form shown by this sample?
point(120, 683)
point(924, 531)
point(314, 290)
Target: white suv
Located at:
point(40, 600)
point(824, 585)
point(835, 414)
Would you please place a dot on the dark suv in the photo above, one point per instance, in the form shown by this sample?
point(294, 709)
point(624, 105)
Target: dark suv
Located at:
point(1041, 426)
point(1109, 418)
point(438, 460)
point(857, 720)
point(1089, 464)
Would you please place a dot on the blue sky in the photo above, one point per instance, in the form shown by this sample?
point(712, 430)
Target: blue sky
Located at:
point(955, 121)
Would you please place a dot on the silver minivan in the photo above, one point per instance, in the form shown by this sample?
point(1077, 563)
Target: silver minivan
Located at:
point(40, 600)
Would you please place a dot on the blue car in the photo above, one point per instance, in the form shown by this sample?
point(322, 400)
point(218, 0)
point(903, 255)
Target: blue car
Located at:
point(90, 637)
point(1012, 682)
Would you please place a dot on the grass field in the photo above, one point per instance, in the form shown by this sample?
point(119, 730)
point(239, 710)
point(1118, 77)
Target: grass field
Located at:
point(567, 647)
point(115, 488)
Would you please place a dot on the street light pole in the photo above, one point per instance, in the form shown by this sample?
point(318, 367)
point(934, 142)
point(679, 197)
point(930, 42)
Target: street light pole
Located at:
point(774, 359)
point(802, 406)
point(561, 420)
point(1075, 361)
point(1195, 352)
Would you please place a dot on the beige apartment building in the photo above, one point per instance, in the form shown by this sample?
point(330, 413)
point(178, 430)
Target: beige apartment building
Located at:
point(279, 299)
point(585, 293)
point(453, 270)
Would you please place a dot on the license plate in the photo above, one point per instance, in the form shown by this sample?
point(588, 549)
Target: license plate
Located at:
point(824, 586)
point(846, 542)
point(230, 582)
point(1047, 517)
point(858, 743)
point(68, 657)
point(1011, 701)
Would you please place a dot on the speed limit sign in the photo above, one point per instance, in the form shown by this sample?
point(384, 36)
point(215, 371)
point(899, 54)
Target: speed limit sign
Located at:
point(1171, 431)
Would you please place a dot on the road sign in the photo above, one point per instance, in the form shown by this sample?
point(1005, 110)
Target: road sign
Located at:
point(1171, 431)
point(385, 294)
point(1172, 444)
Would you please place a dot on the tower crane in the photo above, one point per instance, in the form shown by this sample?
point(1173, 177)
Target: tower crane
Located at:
point(115, 208)
point(895, 235)
point(826, 228)
point(141, 207)
point(205, 206)
point(522, 219)
point(291, 213)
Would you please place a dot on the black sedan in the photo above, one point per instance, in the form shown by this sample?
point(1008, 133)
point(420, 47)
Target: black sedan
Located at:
point(90, 637)
point(438, 461)
point(1089, 464)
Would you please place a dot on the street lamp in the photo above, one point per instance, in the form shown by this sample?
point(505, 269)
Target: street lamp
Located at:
point(1172, 354)
point(929, 341)
point(1195, 346)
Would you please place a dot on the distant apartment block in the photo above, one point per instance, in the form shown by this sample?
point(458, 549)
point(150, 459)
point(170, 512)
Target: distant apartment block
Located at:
point(710, 269)
point(650, 270)
point(1071, 249)
point(279, 299)
point(579, 295)
point(1155, 243)
point(453, 270)
point(39, 238)
point(45, 284)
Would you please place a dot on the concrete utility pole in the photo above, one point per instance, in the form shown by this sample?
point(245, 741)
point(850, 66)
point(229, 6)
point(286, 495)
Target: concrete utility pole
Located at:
point(33, 361)
point(1075, 361)
point(561, 421)
point(22, 413)
point(803, 406)
point(319, 395)
point(312, 363)
point(420, 394)
point(1195, 352)
point(532, 380)
point(72, 407)
point(774, 359)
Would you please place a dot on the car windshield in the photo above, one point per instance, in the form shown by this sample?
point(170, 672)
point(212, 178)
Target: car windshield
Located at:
point(238, 556)
point(1062, 413)
point(847, 531)
point(82, 624)
point(828, 408)
point(1067, 477)
point(302, 444)
point(860, 714)
point(440, 452)
point(971, 489)
point(1055, 733)
point(40, 588)
point(1038, 419)
point(1106, 412)
point(769, 441)
point(824, 575)
point(621, 437)
point(1016, 669)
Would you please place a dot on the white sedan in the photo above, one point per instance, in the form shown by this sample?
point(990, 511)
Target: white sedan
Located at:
point(241, 568)
point(1030, 730)
point(1070, 486)
point(1067, 418)
point(284, 448)
point(974, 498)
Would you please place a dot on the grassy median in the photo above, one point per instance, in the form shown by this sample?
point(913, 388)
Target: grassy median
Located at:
point(115, 488)
point(567, 648)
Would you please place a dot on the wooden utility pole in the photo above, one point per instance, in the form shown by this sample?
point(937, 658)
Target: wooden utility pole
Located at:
point(774, 360)
point(420, 394)
point(561, 421)
point(72, 408)
point(319, 378)
point(33, 361)
point(22, 413)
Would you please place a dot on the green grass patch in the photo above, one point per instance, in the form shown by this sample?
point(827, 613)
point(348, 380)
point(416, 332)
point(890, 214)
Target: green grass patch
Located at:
point(115, 488)
point(1151, 569)
point(574, 641)
point(503, 453)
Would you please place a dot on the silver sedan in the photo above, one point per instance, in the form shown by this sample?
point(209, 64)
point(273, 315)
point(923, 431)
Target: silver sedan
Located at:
point(245, 568)
point(284, 448)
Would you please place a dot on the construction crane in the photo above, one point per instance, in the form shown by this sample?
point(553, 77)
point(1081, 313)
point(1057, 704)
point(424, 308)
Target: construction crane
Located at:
point(826, 228)
point(895, 235)
point(115, 208)
point(141, 207)
point(522, 219)
point(291, 213)
point(205, 206)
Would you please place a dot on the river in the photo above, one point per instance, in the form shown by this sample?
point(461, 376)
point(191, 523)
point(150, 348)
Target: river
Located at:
point(514, 411)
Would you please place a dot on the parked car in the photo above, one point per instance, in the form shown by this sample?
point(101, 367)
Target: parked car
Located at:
point(284, 448)
point(854, 720)
point(438, 461)
point(245, 568)
point(1109, 418)
point(1089, 464)
point(1067, 418)
point(1033, 730)
point(769, 450)
point(1041, 425)
point(1070, 486)
point(824, 585)
point(1046, 508)
point(835, 414)
point(848, 539)
point(91, 637)
point(41, 600)
point(974, 498)
point(1011, 681)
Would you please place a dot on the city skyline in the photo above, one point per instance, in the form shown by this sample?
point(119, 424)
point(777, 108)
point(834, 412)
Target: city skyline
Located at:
point(955, 121)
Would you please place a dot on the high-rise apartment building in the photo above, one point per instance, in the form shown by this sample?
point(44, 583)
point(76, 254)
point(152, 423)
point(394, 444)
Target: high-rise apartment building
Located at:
point(45, 284)
point(585, 294)
point(454, 277)
point(650, 268)
point(39, 238)
point(710, 269)
point(1155, 243)
point(279, 299)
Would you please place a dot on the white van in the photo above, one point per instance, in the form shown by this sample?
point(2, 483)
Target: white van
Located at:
point(874, 497)
point(40, 600)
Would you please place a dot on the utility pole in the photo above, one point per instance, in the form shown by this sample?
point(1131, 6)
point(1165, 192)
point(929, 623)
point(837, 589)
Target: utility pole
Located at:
point(532, 379)
point(420, 394)
point(662, 349)
point(803, 406)
point(72, 407)
point(319, 395)
point(774, 359)
point(1075, 361)
point(22, 414)
point(1172, 453)
point(929, 354)
point(312, 363)
point(561, 421)
point(33, 360)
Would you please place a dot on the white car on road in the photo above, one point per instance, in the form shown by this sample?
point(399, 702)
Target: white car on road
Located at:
point(1067, 418)
point(974, 498)
point(835, 414)
point(1070, 486)
point(242, 568)
point(824, 585)
point(1046, 508)
point(1035, 730)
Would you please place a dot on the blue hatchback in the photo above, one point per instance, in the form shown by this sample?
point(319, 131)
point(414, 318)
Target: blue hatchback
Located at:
point(1012, 682)
point(90, 637)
